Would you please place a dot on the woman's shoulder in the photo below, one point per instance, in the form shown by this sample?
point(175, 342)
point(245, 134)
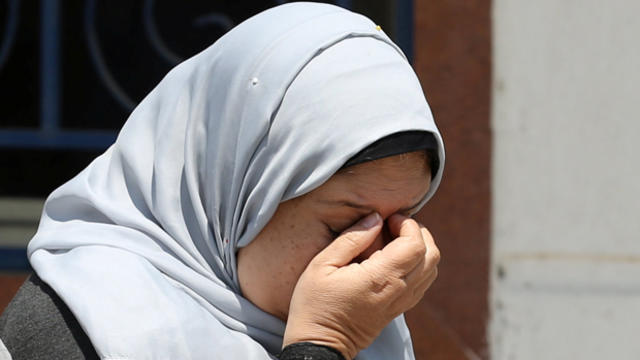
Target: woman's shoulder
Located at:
point(37, 324)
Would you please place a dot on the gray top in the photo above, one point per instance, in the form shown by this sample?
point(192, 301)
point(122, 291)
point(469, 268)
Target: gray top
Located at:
point(38, 325)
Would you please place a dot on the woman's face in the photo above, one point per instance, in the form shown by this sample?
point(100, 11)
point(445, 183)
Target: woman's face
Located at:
point(269, 267)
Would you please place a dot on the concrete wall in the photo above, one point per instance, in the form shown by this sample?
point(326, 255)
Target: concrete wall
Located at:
point(565, 281)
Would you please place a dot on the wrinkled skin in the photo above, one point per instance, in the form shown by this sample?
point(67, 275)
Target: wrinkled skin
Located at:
point(314, 268)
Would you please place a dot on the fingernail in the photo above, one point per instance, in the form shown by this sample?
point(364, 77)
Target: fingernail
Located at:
point(370, 221)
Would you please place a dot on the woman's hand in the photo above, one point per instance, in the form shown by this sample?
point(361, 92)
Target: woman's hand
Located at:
point(346, 305)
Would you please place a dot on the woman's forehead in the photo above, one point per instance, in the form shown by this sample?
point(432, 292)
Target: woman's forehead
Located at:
point(402, 179)
point(397, 167)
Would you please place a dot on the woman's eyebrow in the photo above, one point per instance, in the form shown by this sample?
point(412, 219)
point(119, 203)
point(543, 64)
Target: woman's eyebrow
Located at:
point(352, 205)
point(368, 208)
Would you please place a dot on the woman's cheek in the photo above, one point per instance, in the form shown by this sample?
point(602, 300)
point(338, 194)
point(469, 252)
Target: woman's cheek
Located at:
point(305, 251)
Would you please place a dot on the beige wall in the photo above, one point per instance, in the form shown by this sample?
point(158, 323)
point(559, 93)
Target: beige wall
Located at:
point(566, 180)
point(18, 220)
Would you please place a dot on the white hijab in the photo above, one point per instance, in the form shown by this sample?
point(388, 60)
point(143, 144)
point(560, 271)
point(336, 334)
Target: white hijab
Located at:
point(141, 244)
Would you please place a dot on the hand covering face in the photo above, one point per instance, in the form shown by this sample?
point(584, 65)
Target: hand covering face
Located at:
point(141, 244)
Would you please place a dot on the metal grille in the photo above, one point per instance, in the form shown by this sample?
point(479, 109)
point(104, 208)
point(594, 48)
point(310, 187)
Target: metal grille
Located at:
point(72, 71)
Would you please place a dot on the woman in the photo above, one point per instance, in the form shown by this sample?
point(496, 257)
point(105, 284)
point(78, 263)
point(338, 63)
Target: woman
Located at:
point(207, 230)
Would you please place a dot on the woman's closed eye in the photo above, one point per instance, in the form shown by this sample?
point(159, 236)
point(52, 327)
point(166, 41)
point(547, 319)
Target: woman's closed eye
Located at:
point(332, 232)
point(336, 228)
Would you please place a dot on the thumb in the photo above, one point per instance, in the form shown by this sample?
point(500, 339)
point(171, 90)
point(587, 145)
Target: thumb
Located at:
point(352, 242)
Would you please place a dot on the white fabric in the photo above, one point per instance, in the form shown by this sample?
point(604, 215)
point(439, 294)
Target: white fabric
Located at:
point(4, 353)
point(141, 244)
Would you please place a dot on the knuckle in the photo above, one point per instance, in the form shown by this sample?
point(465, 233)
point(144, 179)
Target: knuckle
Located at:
point(425, 231)
point(412, 226)
point(415, 244)
point(411, 221)
point(434, 254)
point(378, 284)
point(419, 247)
point(407, 225)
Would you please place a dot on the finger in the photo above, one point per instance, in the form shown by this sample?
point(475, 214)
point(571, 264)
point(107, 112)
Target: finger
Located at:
point(419, 293)
point(429, 263)
point(421, 272)
point(400, 225)
point(433, 252)
point(405, 252)
point(425, 284)
point(417, 274)
point(351, 243)
point(412, 295)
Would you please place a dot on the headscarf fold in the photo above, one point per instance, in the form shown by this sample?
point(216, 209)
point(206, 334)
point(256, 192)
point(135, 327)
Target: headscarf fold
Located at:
point(141, 245)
